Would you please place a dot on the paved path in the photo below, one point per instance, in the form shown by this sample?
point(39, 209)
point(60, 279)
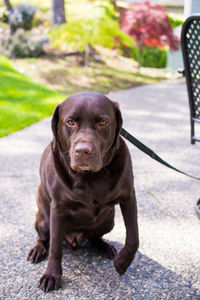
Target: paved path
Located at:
point(168, 262)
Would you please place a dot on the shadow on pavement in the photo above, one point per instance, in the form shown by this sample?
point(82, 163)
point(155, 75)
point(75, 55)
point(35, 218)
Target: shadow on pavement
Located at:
point(86, 275)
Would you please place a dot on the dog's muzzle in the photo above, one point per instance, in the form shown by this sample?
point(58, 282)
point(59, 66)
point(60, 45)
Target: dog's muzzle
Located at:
point(85, 157)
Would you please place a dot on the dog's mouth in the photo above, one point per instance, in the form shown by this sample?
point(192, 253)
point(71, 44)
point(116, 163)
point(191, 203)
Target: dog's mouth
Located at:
point(92, 164)
point(80, 168)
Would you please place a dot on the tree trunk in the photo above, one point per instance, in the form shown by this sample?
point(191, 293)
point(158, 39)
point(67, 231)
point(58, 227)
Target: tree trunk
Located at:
point(8, 5)
point(58, 12)
point(10, 11)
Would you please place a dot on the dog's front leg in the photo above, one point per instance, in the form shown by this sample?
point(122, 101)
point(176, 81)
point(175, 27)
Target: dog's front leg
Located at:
point(126, 255)
point(51, 280)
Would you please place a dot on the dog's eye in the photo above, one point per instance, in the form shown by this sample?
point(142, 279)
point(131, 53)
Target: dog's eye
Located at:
point(103, 122)
point(70, 122)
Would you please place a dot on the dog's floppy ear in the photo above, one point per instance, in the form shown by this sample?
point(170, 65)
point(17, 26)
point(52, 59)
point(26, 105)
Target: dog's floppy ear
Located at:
point(119, 123)
point(54, 125)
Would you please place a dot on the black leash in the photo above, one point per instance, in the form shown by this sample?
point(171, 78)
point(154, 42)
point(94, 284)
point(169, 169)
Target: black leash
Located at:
point(149, 152)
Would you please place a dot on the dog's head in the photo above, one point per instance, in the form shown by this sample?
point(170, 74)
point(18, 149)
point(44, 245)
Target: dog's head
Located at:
point(87, 126)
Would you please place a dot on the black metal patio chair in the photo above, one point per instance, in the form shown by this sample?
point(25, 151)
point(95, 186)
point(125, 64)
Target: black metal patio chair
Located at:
point(190, 44)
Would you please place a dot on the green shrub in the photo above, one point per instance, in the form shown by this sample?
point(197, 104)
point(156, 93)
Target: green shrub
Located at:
point(152, 57)
point(22, 16)
point(19, 45)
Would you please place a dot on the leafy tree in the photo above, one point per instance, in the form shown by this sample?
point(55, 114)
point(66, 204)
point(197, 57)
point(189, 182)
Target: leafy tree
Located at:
point(149, 25)
point(100, 26)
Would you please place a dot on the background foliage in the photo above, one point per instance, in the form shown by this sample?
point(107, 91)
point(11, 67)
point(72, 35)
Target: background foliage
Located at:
point(20, 45)
point(146, 30)
point(98, 27)
point(150, 27)
point(22, 16)
point(93, 27)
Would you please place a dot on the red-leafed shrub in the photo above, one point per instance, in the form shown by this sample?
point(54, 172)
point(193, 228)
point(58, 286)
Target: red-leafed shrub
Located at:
point(149, 25)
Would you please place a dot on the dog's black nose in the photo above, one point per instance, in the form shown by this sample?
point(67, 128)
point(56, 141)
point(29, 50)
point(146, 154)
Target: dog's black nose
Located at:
point(83, 149)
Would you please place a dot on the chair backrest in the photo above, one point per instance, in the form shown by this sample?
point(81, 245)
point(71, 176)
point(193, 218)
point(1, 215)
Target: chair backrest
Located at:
point(190, 43)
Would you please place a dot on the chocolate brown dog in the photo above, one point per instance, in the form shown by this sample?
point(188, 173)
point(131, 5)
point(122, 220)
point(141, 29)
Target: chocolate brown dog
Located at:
point(85, 171)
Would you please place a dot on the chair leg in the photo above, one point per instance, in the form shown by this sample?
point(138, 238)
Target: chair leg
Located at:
point(192, 132)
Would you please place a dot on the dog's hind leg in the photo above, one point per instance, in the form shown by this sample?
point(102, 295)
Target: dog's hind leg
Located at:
point(104, 249)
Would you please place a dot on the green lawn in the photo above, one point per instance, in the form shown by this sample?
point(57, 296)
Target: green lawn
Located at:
point(22, 101)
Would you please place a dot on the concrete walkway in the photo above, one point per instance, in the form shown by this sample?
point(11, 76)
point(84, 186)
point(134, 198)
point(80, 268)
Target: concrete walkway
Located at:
point(168, 262)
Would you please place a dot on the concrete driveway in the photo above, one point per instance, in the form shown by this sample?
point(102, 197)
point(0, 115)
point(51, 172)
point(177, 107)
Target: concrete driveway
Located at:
point(168, 261)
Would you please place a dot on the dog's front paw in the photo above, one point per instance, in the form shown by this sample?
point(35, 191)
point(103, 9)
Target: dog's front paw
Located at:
point(123, 260)
point(49, 282)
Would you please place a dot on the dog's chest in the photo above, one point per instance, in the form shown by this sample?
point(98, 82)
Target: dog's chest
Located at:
point(91, 200)
point(94, 190)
